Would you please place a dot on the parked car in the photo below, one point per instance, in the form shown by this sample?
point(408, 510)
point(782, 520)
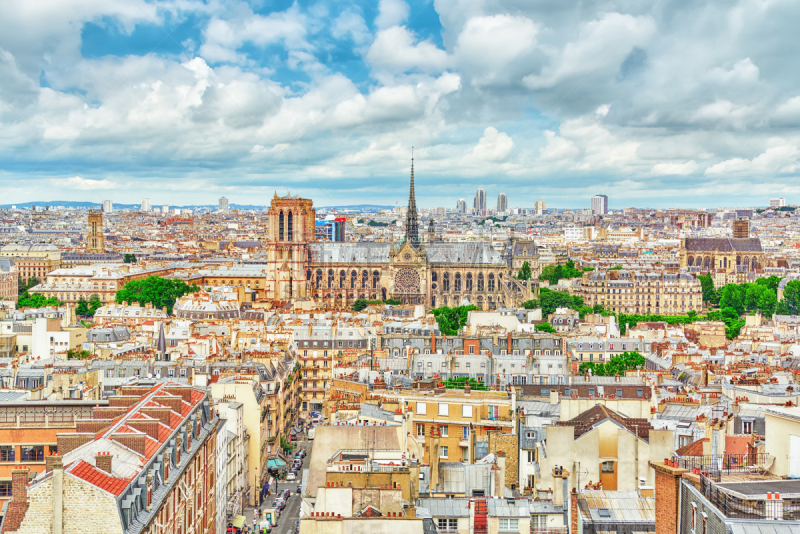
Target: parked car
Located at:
point(291, 477)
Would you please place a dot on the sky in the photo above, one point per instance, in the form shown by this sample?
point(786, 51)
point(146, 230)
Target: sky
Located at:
point(657, 103)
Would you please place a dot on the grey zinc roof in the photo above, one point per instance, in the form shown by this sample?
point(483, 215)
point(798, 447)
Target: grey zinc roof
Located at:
point(743, 526)
point(503, 508)
point(482, 253)
point(445, 507)
point(349, 252)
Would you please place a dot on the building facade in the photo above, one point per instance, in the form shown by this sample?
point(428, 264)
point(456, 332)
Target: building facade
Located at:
point(622, 291)
point(95, 243)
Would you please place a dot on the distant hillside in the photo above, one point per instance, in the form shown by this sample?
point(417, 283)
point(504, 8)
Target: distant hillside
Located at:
point(98, 205)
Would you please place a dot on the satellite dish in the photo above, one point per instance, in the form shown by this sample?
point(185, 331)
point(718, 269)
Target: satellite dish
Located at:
point(538, 486)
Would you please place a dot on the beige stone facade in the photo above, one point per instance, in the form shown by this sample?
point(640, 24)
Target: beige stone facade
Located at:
point(622, 291)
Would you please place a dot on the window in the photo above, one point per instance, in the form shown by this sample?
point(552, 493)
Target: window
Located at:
point(5, 488)
point(33, 453)
point(683, 441)
point(444, 431)
point(443, 452)
point(421, 430)
point(7, 453)
point(464, 432)
point(639, 393)
point(421, 408)
point(608, 467)
point(465, 455)
point(531, 456)
point(591, 392)
point(694, 516)
point(443, 409)
point(509, 525)
point(466, 410)
point(747, 427)
point(447, 524)
point(538, 521)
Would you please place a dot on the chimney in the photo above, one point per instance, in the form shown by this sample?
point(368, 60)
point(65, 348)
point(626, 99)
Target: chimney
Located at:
point(433, 456)
point(616, 377)
point(553, 397)
point(16, 508)
point(573, 512)
point(103, 462)
point(58, 493)
point(560, 485)
point(500, 475)
point(668, 480)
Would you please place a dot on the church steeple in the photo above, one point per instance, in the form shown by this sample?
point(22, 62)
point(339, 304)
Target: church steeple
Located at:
point(412, 225)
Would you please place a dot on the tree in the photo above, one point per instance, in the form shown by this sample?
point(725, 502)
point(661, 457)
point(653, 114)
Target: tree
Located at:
point(790, 305)
point(82, 308)
point(771, 282)
point(393, 302)
point(545, 327)
point(451, 320)
point(616, 365)
point(709, 293)
point(524, 272)
point(733, 296)
point(767, 303)
point(550, 300)
point(158, 291)
point(36, 300)
point(94, 304)
point(24, 286)
point(130, 258)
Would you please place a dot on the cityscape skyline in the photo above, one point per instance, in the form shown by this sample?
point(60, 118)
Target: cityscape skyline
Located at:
point(189, 102)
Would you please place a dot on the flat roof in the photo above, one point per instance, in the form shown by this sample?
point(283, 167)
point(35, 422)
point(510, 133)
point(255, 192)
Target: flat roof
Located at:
point(789, 489)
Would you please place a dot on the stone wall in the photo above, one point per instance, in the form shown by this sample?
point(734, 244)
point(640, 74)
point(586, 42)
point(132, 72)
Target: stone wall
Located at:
point(78, 495)
point(509, 444)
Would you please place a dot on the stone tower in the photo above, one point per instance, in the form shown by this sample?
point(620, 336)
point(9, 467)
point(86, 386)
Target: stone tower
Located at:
point(95, 243)
point(412, 224)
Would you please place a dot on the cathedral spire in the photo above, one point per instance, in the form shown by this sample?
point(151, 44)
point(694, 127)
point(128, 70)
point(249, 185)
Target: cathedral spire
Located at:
point(412, 225)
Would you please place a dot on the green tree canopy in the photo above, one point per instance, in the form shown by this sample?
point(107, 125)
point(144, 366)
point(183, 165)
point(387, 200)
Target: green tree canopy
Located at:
point(156, 290)
point(709, 293)
point(790, 305)
point(130, 258)
point(545, 327)
point(23, 287)
point(616, 365)
point(451, 320)
point(36, 300)
point(549, 300)
point(525, 272)
point(554, 273)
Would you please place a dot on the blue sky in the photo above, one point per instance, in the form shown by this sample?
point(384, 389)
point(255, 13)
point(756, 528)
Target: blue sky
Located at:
point(673, 103)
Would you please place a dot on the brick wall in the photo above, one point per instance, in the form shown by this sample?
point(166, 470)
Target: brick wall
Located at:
point(19, 504)
point(573, 512)
point(509, 444)
point(70, 442)
point(149, 427)
point(134, 442)
point(92, 425)
point(668, 484)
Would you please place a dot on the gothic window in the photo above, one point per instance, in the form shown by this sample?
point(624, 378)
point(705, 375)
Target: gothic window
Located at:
point(433, 276)
point(342, 277)
point(280, 226)
point(457, 282)
point(289, 227)
point(330, 277)
point(690, 261)
point(707, 262)
point(446, 282)
point(480, 282)
point(376, 276)
point(491, 282)
point(364, 280)
point(308, 275)
point(407, 281)
point(469, 281)
point(353, 280)
point(747, 263)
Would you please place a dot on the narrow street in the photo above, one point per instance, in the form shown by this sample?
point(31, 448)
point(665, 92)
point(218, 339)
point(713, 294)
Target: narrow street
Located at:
point(289, 516)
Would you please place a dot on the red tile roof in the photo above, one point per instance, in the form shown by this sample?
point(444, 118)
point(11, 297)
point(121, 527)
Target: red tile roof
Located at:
point(164, 432)
point(175, 420)
point(694, 448)
point(89, 473)
point(151, 447)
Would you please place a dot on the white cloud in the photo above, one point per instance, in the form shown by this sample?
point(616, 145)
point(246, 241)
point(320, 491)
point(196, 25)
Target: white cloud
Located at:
point(743, 72)
point(675, 169)
point(493, 146)
point(391, 13)
point(776, 159)
point(84, 184)
point(396, 49)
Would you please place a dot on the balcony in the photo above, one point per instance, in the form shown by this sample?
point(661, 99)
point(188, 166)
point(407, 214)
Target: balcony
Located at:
point(548, 530)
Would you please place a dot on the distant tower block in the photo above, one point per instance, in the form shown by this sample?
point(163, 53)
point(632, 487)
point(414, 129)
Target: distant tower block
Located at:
point(94, 237)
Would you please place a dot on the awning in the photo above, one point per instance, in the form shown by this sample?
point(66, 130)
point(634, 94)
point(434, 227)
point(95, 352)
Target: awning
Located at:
point(275, 463)
point(238, 521)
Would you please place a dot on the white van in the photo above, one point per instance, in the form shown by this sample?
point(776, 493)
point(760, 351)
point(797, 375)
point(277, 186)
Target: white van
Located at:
point(311, 434)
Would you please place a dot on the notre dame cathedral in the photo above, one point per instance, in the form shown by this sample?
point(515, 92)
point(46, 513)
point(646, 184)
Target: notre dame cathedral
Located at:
point(415, 271)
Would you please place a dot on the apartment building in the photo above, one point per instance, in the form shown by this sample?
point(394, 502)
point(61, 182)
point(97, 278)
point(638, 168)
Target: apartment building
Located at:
point(622, 291)
point(601, 349)
point(144, 464)
point(470, 424)
point(33, 261)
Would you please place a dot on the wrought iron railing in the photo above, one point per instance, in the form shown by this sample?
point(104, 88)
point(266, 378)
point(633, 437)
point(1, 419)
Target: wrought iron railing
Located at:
point(735, 508)
point(714, 467)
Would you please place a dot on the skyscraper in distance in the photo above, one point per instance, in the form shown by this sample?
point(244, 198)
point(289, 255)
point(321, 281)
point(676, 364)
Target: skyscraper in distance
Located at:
point(540, 207)
point(599, 204)
point(107, 206)
point(223, 205)
point(479, 204)
point(461, 206)
point(145, 204)
point(502, 202)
